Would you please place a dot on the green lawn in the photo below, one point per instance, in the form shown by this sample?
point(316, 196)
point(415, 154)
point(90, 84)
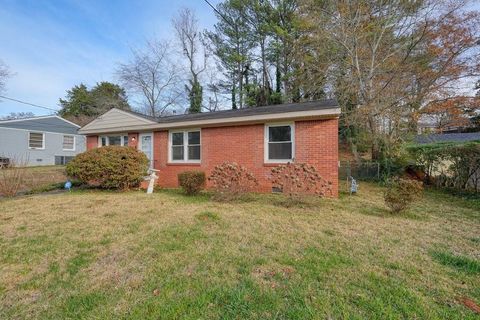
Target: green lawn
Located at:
point(104, 255)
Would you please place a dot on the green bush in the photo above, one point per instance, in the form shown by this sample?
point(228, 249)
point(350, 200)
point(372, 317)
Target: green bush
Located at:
point(192, 182)
point(448, 164)
point(401, 193)
point(111, 167)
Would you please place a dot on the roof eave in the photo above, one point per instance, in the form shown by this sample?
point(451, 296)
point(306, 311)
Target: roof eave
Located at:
point(326, 113)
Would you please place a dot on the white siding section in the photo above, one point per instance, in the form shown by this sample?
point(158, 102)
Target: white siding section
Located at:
point(116, 119)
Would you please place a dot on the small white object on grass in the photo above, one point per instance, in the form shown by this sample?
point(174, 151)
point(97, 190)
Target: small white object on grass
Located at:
point(353, 186)
point(152, 178)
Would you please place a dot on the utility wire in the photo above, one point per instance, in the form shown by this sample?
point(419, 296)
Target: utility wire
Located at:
point(28, 103)
point(220, 14)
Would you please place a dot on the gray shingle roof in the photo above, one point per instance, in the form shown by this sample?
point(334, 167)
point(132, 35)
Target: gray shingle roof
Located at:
point(279, 108)
point(43, 124)
point(448, 137)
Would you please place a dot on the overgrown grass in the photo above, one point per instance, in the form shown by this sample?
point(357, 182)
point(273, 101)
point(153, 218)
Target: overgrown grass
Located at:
point(43, 176)
point(109, 255)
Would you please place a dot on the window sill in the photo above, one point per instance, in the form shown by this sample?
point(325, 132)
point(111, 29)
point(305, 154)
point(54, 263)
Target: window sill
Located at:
point(276, 163)
point(194, 164)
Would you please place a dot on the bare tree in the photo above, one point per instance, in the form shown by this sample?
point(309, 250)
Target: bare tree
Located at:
point(391, 57)
point(215, 92)
point(4, 75)
point(154, 76)
point(193, 48)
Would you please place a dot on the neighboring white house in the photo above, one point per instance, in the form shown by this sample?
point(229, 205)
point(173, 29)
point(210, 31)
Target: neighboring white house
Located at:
point(40, 141)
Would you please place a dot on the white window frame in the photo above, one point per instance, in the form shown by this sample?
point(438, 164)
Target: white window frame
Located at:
point(185, 146)
point(121, 135)
point(266, 141)
point(43, 140)
point(74, 142)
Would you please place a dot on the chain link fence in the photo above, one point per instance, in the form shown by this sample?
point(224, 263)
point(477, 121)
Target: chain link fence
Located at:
point(359, 170)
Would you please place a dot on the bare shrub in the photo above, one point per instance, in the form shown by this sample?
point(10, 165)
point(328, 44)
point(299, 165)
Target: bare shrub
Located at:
point(401, 193)
point(12, 177)
point(298, 179)
point(231, 181)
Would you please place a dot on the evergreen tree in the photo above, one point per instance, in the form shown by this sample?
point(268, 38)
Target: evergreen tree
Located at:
point(195, 95)
point(82, 105)
point(231, 42)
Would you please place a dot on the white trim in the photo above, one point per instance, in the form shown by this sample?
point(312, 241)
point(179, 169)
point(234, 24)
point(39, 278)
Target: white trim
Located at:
point(121, 135)
point(185, 145)
point(43, 140)
point(74, 142)
point(266, 142)
point(139, 145)
point(285, 116)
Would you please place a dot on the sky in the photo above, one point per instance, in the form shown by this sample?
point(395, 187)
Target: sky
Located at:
point(52, 45)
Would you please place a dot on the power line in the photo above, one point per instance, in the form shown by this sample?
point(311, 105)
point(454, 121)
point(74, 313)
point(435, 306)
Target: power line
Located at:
point(28, 103)
point(220, 14)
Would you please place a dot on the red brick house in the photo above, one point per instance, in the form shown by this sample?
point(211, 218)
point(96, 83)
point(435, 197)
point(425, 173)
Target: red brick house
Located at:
point(257, 138)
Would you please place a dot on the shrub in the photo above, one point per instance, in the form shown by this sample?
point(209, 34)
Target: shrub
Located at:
point(111, 167)
point(296, 179)
point(449, 164)
point(192, 182)
point(231, 181)
point(401, 193)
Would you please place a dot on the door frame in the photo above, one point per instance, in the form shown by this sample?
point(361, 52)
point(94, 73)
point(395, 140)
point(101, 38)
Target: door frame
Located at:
point(139, 145)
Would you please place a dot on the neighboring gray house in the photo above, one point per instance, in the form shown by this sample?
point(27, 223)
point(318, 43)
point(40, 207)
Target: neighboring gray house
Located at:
point(40, 141)
point(448, 137)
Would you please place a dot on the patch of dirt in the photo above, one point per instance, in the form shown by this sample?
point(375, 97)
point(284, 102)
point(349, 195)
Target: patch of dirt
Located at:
point(470, 304)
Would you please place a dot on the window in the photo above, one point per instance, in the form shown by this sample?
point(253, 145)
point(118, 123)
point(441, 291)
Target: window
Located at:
point(279, 143)
point(36, 140)
point(113, 140)
point(62, 160)
point(185, 146)
point(68, 143)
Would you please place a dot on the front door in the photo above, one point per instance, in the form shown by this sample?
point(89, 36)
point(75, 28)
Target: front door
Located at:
point(146, 146)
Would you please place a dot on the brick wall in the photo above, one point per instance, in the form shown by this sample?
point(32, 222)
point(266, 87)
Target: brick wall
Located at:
point(316, 142)
point(92, 142)
point(133, 139)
